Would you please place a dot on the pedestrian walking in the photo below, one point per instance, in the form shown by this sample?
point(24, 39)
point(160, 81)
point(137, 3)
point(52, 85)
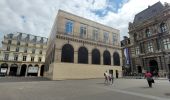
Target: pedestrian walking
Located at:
point(149, 78)
point(106, 77)
point(111, 78)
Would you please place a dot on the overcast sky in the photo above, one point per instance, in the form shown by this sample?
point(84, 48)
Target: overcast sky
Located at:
point(37, 16)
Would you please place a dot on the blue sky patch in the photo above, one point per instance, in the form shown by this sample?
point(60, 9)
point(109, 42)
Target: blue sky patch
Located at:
point(112, 5)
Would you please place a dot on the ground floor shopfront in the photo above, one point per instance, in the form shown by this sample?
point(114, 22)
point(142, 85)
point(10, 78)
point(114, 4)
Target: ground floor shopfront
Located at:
point(21, 69)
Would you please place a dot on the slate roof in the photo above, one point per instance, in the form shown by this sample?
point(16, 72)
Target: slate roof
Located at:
point(149, 12)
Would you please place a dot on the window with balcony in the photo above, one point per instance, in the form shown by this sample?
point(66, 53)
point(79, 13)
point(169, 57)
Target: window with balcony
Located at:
point(114, 39)
point(9, 41)
point(25, 50)
point(40, 52)
point(148, 33)
point(137, 50)
point(69, 27)
point(6, 57)
point(15, 57)
point(17, 49)
point(10, 36)
point(32, 59)
point(83, 31)
point(18, 43)
point(106, 37)
point(166, 43)
point(33, 51)
point(95, 34)
point(39, 59)
point(8, 48)
point(150, 46)
point(26, 44)
point(163, 27)
point(24, 58)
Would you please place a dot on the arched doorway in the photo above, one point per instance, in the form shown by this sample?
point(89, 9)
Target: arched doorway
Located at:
point(106, 58)
point(13, 70)
point(67, 53)
point(95, 56)
point(139, 69)
point(23, 70)
point(4, 68)
point(42, 71)
point(33, 70)
point(153, 67)
point(116, 59)
point(83, 55)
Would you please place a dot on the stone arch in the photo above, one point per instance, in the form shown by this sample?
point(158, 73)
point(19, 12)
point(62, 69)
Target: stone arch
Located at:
point(67, 54)
point(83, 55)
point(4, 68)
point(13, 70)
point(153, 67)
point(106, 58)
point(23, 70)
point(116, 59)
point(95, 56)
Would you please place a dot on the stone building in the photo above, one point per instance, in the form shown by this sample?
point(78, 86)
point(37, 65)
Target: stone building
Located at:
point(150, 37)
point(79, 48)
point(126, 56)
point(22, 55)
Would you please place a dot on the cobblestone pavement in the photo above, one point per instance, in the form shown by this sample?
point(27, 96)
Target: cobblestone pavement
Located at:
point(91, 89)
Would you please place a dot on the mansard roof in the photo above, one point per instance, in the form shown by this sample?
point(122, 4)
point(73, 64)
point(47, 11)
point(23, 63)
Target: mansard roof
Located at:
point(149, 12)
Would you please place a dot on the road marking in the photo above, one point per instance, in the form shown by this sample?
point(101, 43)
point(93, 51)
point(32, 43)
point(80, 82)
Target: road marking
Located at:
point(135, 94)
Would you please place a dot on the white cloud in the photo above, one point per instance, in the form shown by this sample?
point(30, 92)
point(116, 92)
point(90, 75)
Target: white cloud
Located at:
point(39, 14)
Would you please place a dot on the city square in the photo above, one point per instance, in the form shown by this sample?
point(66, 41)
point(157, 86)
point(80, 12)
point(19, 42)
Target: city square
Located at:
point(85, 50)
point(90, 89)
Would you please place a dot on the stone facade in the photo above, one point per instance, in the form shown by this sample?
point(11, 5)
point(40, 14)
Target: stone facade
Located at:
point(150, 38)
point(79, 48)
point(22, 55)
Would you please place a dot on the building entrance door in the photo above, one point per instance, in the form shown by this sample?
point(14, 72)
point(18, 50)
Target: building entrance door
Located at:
point(13, 70)
point(153, 67)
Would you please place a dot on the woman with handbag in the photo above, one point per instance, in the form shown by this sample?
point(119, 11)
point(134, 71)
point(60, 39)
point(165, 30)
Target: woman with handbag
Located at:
point(149, 78)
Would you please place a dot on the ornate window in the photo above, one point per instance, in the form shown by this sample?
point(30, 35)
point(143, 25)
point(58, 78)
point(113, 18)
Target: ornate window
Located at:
point(8, 48)
point(166, 43)
point(95, 34)
point(33, 51)
point(83, 31)
point(69, 27)
point(24, 58)
point(9, 41)
point(15, 57)
point(148, 33)
point(114, 39)
point(17, 49)
point(163, 27)
point(6, 57)
point(137, 51)
point(106, 37)
point(25, 50)
point(150, 46)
